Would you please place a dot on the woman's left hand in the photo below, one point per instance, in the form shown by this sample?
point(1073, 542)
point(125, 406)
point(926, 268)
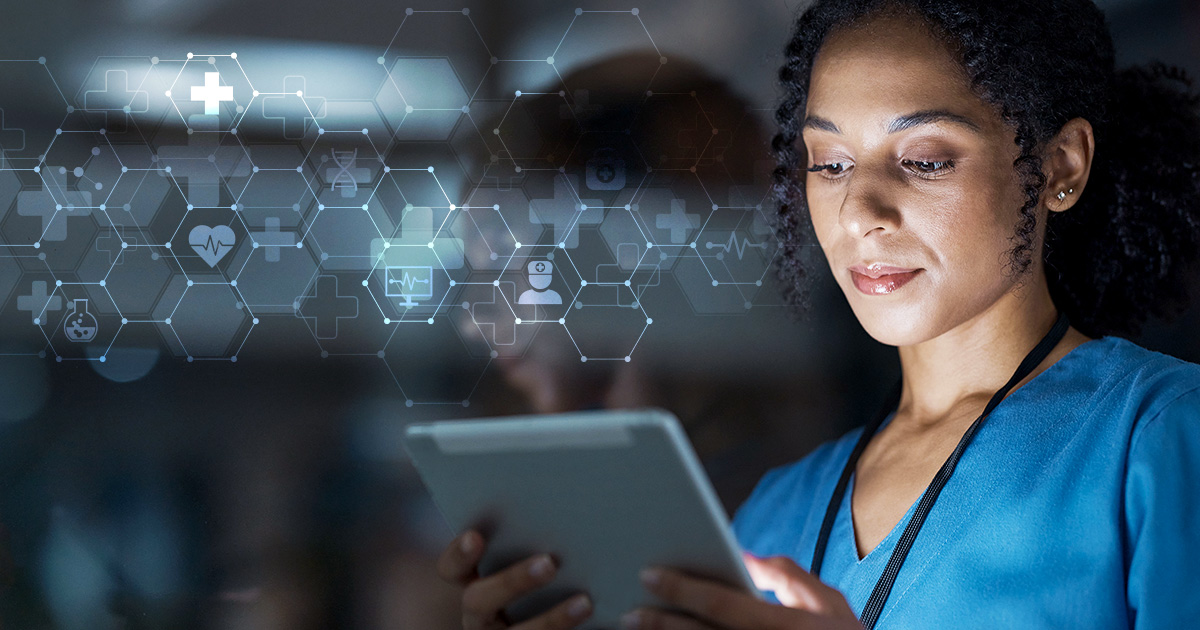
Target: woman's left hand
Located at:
point(807, 602)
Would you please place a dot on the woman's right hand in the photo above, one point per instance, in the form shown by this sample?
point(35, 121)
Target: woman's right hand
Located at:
point(484, 598)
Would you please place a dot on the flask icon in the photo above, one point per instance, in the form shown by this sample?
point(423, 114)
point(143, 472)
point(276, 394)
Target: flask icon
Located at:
point(80, 325)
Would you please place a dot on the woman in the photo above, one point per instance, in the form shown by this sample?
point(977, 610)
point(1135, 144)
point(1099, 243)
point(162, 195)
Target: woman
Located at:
point(999, 203)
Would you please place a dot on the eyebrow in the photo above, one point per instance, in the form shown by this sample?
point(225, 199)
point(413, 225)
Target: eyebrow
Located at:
point(900, 123)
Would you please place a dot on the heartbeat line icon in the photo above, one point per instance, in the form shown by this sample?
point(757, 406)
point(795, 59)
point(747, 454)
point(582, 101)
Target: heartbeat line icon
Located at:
point(401, 281)
point(212, 243)
point(739, 247)
point(408, 282)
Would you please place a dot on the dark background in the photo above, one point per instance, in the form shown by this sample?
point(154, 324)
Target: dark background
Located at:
point(273, 492)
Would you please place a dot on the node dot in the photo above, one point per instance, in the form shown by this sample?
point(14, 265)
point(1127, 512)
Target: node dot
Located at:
point(715, 283)
point(517, 320)
point(583, 359)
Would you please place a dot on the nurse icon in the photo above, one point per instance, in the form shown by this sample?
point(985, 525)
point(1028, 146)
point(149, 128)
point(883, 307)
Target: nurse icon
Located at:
point(540, 274)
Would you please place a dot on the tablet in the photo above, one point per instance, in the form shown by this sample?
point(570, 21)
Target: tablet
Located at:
point(607, 493)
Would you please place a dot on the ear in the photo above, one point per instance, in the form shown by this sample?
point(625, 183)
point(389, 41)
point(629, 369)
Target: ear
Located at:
point(1067, 163)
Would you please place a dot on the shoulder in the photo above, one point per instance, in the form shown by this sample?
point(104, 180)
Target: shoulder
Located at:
point(1148, 385)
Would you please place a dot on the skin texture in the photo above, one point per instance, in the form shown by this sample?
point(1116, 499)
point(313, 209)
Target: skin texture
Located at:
point(962, 325)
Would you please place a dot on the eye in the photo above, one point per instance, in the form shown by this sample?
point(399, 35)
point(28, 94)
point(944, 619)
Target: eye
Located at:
point(820, 168)
point(930, 168)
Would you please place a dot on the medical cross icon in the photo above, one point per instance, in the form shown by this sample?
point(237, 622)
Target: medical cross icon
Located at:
point(116, 98)
point(38, 302)
point(325, 306)
point(54, 198)
point(203, 161)
point(566, 211)
point(212, 93)
point(497, 316)
point(272, 239)
point(678, 221)
point(293, 107)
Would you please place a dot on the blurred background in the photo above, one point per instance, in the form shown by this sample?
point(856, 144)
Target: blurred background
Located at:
point(224, 449)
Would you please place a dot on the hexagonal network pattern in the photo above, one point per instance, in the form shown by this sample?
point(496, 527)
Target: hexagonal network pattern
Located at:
point(470, 205)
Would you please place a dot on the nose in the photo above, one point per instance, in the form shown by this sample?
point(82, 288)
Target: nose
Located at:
point(866, 209)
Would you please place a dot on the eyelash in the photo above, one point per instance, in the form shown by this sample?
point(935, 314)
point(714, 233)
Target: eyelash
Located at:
point(948, 165)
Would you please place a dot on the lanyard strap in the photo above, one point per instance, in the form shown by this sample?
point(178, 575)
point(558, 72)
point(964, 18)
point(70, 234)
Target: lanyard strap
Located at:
point(884, 586)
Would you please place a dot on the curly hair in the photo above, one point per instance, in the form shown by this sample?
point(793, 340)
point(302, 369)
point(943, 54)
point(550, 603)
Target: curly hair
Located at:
point(1127, 248)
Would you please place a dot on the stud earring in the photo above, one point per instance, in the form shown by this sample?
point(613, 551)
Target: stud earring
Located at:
point(1061, 195)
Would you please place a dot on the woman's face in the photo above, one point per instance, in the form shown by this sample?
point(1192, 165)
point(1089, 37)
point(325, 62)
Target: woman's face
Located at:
point(935, 194)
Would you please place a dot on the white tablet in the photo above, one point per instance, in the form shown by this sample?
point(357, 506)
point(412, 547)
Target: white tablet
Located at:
point(607, 493)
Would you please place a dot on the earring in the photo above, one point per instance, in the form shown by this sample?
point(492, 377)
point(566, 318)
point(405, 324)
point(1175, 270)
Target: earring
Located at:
point(1061, 195)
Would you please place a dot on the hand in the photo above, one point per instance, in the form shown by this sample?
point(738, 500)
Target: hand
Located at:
point(807, 603)
point(484, 599)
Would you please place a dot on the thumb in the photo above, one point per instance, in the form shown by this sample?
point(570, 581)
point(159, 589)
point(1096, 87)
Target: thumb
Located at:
point(793, 586)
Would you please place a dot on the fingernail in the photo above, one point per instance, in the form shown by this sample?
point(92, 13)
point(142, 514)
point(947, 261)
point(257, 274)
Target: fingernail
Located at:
point(541, 567)
point(466, 545)
point(631, 620)
point(650, 577)
point(579, 606)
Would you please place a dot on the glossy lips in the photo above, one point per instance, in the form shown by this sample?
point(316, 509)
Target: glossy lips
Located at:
point(880, 279)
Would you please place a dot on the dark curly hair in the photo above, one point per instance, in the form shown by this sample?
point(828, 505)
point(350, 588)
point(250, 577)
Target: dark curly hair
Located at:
point(1126, 250)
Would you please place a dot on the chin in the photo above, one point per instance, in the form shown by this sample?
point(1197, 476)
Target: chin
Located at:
point(894, 322)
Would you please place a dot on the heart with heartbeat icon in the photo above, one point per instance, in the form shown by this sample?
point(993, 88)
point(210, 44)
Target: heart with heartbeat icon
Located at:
point(212, 243)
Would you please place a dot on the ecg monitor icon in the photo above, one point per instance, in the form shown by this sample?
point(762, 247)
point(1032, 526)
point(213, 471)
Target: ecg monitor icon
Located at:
point(410, 283)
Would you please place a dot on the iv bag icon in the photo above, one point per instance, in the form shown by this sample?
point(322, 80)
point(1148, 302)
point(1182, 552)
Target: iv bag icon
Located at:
point(80, 325)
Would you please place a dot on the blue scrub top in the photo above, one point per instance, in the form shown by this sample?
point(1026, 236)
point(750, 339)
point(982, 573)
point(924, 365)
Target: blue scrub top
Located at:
point(1077, 505)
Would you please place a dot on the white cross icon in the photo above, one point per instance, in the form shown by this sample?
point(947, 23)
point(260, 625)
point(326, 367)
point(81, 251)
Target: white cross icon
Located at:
point(212, 92)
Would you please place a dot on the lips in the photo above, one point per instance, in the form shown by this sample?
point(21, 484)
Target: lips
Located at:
point(880, 279)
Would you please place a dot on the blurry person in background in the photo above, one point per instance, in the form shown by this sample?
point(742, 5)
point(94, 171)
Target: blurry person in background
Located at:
point(1003, 205)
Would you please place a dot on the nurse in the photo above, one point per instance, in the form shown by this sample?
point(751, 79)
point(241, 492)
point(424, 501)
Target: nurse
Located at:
point(999, 202)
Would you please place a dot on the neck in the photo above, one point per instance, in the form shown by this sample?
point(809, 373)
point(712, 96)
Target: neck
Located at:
point(971, 361)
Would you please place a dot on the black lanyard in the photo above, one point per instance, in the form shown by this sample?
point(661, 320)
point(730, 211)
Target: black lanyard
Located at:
point(883, 587)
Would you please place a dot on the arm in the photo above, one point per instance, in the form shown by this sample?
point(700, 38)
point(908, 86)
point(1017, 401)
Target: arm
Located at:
point(1162, 517)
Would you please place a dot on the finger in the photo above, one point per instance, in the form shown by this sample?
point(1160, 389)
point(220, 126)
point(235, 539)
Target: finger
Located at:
point(566, 614)
point(485, 597)
point(651, 619)
point(709, 600)
point(459, 559)
point(793, 586)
